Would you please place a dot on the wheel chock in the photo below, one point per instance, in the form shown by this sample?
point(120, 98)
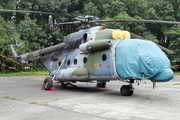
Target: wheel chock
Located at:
point(52, 89)
point(105, 86)
point(64, 85)
point(42, 88)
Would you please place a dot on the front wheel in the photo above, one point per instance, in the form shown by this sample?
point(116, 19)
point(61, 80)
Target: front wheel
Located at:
point(131, 92)
point(47, 84)
point(125, 90)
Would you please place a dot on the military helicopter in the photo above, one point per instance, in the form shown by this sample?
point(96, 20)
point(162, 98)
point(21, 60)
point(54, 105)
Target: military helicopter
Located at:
point(101, 54)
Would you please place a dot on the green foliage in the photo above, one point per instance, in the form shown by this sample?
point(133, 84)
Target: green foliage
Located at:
point(5, 40)
point(22, 74)
point(167, 35)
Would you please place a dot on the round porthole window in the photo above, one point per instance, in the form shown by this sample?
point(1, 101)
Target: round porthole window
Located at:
point(104, 57)
point(85, 60)
point(59, 62)
point(68, 62)
point(75, 61)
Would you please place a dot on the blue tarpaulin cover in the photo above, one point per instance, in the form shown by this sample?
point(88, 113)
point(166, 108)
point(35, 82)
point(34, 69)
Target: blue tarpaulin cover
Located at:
point(135, 57)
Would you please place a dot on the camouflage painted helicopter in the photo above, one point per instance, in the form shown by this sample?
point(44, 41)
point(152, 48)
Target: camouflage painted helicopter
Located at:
point(102, 54)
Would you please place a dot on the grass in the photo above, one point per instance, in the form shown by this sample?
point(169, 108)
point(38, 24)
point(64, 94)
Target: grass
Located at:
point(11, 98)
point(24, 74)
point(176, 83)
point(33, 79)
point(40, 103)
point(176, 73)
point(45, 102)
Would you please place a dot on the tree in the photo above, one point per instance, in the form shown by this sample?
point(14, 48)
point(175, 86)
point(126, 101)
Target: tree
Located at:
point(6, 38)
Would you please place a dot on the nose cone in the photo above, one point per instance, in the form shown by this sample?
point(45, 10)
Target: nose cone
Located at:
point(137, 57)
point(164, 76)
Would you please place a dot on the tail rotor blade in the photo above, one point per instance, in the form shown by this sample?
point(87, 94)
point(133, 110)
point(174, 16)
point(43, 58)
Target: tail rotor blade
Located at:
point(21, 44)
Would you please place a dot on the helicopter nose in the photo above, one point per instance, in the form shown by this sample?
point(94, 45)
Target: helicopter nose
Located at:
point(164, 76)
point(136, 57)
point(156, 68)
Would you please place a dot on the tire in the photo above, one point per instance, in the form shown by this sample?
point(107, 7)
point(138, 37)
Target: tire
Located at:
point(47, 84)
point(131, 92)
point(125, 90)
point(101, 84)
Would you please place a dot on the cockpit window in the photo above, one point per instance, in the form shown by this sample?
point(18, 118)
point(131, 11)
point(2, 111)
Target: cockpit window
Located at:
point(85, 37)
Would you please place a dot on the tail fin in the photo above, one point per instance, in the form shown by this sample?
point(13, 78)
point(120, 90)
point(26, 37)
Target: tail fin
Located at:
point(17, 46)
point(15, 56)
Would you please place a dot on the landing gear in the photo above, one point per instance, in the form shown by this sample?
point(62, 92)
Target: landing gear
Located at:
point(127, 90)
point(101, 84)
point(47, 84)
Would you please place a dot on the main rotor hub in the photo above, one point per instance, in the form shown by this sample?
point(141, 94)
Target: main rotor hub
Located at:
point(87, 20)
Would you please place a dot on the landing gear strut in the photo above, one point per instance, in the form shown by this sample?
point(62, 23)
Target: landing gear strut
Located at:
point(127, 90)
point(101, 84)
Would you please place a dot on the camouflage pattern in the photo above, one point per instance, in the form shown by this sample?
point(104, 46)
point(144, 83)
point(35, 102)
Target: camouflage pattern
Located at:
point(88, 55)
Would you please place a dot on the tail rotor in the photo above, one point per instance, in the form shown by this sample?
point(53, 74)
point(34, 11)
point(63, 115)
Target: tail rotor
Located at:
point(18, 46)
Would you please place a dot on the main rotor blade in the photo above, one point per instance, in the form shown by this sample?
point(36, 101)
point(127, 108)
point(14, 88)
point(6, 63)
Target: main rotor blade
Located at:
point(139, 37)
point(38, 12)
point(144, 21)
point(163, 48)
point(66, 23)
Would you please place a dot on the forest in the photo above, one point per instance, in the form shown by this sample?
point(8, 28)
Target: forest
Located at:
point(167, 35)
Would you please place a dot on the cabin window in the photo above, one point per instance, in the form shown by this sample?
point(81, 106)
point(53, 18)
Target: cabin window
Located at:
point(68, 62)
point(55, 59)
point(75, 61)
point(85, 60)
point(59, 62)
point(104, 57)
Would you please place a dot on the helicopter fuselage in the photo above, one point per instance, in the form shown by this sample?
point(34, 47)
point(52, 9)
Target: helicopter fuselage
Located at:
point(95, 54)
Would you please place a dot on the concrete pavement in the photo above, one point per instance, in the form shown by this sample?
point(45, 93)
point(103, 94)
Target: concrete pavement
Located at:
point(21, 98)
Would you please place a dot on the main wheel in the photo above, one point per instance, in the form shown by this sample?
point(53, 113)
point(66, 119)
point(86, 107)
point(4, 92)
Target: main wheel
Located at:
point(47, 84)
point(125, 90)
point(131, 91)
point(101, 84)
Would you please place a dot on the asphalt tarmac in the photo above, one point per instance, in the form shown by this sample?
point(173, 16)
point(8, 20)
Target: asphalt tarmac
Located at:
point(21, 98)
